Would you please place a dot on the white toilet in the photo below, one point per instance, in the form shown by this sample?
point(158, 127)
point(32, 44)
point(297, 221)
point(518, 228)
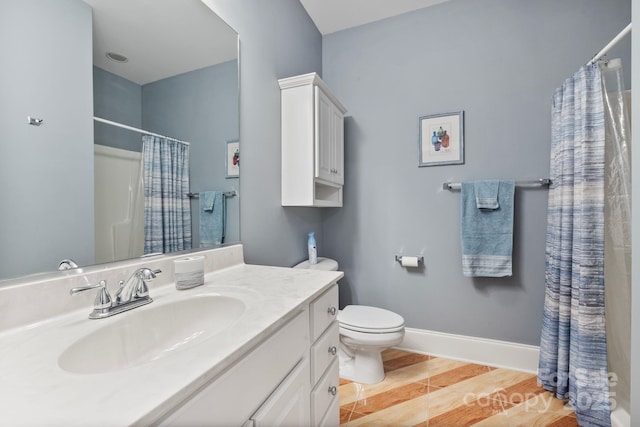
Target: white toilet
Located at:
point(364, 333)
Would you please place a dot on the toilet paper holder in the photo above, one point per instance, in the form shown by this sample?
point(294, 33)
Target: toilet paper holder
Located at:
point(399, 259)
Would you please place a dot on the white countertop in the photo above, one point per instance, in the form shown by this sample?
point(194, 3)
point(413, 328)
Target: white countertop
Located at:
point(35, 391)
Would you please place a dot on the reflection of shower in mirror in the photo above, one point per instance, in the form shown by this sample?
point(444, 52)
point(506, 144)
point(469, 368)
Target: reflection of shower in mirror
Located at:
point(119, 232)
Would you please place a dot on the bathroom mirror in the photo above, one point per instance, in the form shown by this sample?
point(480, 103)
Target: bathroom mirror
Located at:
point(167, 67)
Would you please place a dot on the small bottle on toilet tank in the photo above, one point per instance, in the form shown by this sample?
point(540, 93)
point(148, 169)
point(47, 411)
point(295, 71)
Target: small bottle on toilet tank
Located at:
point(313, 252)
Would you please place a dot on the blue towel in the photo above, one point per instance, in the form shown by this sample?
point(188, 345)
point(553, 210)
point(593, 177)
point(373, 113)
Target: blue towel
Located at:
point(487, 194)
point(212, 218)
point(487, 235)
point(207, 200)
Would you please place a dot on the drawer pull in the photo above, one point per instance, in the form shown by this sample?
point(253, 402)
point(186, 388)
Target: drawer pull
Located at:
point(333, 390)
point(332, 311)
point(333, 350)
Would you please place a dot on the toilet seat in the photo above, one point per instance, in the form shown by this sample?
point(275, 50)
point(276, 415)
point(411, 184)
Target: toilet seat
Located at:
point(372, 320)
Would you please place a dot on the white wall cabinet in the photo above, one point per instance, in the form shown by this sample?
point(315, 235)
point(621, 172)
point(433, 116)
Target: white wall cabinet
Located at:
point(279, 383)
point(312, 143)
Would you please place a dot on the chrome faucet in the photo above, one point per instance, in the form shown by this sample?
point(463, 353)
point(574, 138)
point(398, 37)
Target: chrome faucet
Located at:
point(136, 285)
point(132, 293)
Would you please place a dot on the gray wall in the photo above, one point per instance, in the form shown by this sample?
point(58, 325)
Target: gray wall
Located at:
point(499, 61)
point(119, 100)
point(200, 107)
point(277, 39)
point(46, 171)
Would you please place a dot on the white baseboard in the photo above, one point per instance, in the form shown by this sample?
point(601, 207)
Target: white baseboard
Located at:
point(500, 354)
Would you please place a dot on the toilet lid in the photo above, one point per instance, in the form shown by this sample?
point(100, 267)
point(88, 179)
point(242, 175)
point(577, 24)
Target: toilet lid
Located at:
point(363, 318)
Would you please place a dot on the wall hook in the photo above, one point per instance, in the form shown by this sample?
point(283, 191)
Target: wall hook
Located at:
point(34, 121)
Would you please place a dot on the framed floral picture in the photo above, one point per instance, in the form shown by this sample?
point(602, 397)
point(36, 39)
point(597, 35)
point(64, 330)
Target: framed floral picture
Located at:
point(233, 159)
point(441, 139)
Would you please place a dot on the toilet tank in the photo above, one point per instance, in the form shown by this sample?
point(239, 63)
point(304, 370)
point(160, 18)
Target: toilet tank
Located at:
point(326, 264)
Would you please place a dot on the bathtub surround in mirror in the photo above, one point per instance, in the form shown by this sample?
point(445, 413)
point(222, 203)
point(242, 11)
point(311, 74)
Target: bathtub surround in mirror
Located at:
point(48, 171)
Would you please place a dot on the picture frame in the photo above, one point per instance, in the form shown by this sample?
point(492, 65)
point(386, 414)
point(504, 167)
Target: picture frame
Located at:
point(441, 139)
point(232, 162)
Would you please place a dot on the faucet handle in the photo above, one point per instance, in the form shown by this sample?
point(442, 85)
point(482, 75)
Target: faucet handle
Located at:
point(145, 275)
point(103, 299)
point(67, 264)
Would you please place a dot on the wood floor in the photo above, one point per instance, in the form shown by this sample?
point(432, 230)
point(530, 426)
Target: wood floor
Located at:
point(429, 391)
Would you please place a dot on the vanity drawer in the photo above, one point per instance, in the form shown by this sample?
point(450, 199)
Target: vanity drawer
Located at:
point(324, 351)
point(324, 393)
point(323, 311)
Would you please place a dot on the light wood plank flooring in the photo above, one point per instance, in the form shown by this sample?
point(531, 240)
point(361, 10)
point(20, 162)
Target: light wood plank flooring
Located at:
point(429, 391)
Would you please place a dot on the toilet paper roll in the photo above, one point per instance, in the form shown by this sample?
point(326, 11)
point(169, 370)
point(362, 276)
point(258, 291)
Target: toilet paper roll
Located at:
point(189, 272)
point(409, 261)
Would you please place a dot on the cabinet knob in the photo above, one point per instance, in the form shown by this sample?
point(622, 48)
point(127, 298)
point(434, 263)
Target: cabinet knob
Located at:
point(333, 350)
point(332, 311)
point(333, 390)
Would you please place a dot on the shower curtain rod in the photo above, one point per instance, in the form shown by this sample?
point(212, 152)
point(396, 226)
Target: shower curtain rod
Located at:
point(120, 125)
point(612, 43)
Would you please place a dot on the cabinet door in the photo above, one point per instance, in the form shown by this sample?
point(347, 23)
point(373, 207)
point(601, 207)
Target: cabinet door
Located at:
point(230, 399)
point(289, 404)
point(323, 136)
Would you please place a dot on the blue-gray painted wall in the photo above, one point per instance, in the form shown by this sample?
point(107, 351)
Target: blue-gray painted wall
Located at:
point(119, 100)
point(277, 39)
point(499, 61)
point(45, 171)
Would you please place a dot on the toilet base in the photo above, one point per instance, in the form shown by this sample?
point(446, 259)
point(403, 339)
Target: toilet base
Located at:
point(365, 366)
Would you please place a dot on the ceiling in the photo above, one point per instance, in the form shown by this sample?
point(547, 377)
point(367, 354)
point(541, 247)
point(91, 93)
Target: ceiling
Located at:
point(160, 38)
point(335, 15)
point(158, 45)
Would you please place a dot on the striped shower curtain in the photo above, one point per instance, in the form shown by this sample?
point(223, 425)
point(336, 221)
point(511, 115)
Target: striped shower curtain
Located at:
point(573, 349)
point(167, 211)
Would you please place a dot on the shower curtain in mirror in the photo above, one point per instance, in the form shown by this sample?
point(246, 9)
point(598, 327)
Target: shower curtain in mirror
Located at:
point(167, 212)
point(573, 352)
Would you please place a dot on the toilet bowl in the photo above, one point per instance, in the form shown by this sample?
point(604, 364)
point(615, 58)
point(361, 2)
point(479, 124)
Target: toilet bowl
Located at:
point(364, 333)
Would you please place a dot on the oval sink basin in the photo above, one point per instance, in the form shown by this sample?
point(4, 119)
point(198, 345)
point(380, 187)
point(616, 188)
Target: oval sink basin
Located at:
point(149, 333)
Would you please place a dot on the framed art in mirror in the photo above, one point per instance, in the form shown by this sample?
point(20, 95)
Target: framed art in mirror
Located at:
point(233, 159)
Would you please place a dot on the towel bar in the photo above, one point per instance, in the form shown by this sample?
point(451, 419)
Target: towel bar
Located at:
point(542, 182)
point(231, 193)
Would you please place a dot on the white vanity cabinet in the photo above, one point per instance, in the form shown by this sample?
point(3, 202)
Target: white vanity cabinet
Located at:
point(289, 379)
point(312, 125)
